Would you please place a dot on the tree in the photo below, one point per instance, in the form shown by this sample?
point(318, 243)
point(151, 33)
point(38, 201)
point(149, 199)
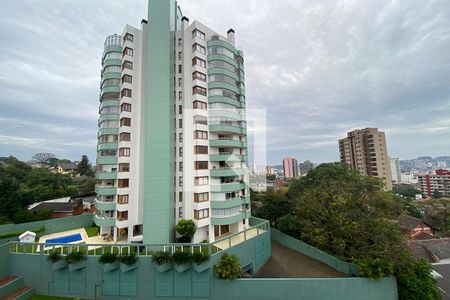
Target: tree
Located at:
point(347, 215)
point(406, 190)
point(274, 205)
point(437, 195)
point(186, 229)
point(44, 158)
point(84, 167)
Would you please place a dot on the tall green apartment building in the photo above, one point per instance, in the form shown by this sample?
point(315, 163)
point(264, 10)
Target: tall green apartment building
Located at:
point(172, 139)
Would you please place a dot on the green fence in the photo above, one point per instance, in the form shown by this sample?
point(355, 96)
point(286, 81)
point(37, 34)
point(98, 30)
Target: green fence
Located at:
point(51, 226)
point(312, 252)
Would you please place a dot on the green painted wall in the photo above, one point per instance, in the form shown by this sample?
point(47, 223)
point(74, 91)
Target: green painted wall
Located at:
point(145, 282)
point(158, 146)
point(310, 251)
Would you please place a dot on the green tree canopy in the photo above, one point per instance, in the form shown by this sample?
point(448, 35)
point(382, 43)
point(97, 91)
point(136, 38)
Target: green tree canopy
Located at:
point(84, 166)
point(186, 229)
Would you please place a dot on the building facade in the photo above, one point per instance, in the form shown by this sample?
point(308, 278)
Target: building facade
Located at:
point(438, 181)
point(365, 150)
point(172, 131)
point(395, 169)
point(290, 167)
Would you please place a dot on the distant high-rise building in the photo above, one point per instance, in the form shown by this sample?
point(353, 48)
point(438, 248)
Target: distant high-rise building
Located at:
point(305, 167)
point(439, 181)
point(290, 167)
point(269, 170)
point(395, 169)
point(365, 150)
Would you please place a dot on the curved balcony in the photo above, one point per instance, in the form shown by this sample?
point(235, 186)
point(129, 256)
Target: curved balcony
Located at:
point(112, 48)
point(106, 131)
point(106, 103)
point(224, 44)
point(112, 160)
point(227, 143)
point(238, 201)
point(105, 190)
point(226, 172)
point(107, 146)
point(223, 85)
point(105, 205)
point(226, 100)
point(110, 91)
point(111, 75)
point(222, 57)
point(228, 113)
point(223, 71)
point(104, 221)
point(228, 187)
point(227, 157)
point(219, 128)
point(108, 117)
point(105, 175)
point(228, 220)
point(112, 62)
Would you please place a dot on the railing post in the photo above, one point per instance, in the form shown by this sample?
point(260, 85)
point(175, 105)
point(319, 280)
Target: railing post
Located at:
point(245, 234)
point(229, 242)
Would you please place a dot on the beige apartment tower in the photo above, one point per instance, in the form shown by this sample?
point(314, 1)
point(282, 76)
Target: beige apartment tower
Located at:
point(365, 150)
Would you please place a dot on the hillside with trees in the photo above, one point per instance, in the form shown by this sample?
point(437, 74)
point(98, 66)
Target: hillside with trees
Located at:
point(22, 185)
point(350, 216)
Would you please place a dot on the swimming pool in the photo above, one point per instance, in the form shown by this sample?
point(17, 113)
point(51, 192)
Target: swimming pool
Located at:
point(65, 239)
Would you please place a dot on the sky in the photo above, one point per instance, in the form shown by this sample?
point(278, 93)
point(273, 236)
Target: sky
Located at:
point(319, 68)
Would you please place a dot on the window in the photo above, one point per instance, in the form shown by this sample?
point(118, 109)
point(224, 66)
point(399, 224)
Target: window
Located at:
point(199, 76)
point(125, 107)
point(223, 93)
point(109, 124)
point(201, 165)
point(199, 34)
point(200, 105)
point(180, 137)
point(201, 149)
point(128, 37)
point(180, 152)
point(122, 215)
point(109, 138)
point(199, 62)
point(104, 153)
point(125, 122)
point(180, 68)
point(222, 78)
point(124, 151)
point(179, 56)
point(122, 199)
point(220, 50)
point(124, 167)
point(128, 51)
point(203, 180)
point(180, 196)
point(127, 65)
point(125, 93)
point(222, 64)
point(123, 183)
point(202, 135)
point(180, 181)
point(180, 109)
point(179, 42)
point(180, 166)
point(198, 90)
point(180, 212)
point(180, 81)
point(199, 48)
point(201, 120)
point(124, 136)
point(180, 95)
point(201, 214)
point(112, 69)
point(113, 55)
point(127, 78)
point(180, 123)
point(110, 82)
point(201, 197)
point(109, 110)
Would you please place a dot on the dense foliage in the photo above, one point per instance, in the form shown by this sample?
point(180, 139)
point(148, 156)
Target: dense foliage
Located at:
point(347, 215)
point(228, 267)
point(185, 230)
point(20, 186)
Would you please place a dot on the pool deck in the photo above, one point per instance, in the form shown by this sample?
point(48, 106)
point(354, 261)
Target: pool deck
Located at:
point(85, 238)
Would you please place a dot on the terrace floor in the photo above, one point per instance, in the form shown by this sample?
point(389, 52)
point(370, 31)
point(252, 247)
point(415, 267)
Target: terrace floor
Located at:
point(238, 238)
point(286, 262)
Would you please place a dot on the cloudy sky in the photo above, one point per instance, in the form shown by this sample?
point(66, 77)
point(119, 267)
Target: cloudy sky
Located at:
point(319, 68)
